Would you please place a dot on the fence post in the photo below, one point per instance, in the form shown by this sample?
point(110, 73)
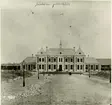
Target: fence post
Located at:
point(89, 71)
point(23, 74)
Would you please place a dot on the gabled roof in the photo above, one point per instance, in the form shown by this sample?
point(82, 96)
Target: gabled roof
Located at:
point(41, 52)
point(79, 52)
point(30, 60)
point(104, 61)
point(63, 51)
point(91, 60)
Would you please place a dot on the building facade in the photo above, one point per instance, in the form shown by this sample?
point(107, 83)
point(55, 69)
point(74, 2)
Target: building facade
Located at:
point(61, 59)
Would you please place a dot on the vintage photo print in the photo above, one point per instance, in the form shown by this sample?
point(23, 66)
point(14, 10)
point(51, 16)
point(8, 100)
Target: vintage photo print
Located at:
point(55, 52)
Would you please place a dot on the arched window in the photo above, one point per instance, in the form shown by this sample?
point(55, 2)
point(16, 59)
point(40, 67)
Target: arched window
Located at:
point(71, 60)
point(77, 59)
point(39, 66)
point(66, 59)
point(49, 66)
point(81, 67)
point(49, 59)
point(81, 59)
point(42, 59)
point(39, 59)
point(42, 66)
point(78, 67)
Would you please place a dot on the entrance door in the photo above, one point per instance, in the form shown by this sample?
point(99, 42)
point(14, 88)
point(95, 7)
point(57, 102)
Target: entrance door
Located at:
point(60, 67)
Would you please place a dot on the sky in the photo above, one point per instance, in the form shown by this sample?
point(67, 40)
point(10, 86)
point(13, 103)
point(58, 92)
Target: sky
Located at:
point(26, 29)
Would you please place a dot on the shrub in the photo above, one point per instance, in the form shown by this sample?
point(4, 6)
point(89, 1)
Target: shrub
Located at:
point(103, 74)
point(14, 74)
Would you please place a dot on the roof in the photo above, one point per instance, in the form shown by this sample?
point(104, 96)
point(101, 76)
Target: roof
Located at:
point(30, 60)
point(63, 51)
point(10, 64)
point(79, 52)
point(104, 61)
point(42, 52)
point(91, 60)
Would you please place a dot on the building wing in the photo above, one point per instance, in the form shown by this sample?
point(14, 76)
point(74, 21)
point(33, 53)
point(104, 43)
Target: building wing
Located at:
point(91, 60)
point(30, 60)
point(104, 61)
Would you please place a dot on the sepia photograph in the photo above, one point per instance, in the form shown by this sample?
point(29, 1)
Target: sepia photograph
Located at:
point(55, 52)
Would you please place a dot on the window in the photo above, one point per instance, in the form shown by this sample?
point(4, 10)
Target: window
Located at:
point(39, 66)
point(78, 67)
point(54, 66)
point(71, 66)
point(60, 52)
point(41, 52)
point(49, 66)
point(49, 59)
point(23, 66)
point(71, 60)
point(65, 66)
point(42, 66)
point(59, 59)
point(81, 59)
point(108, 66)
point(79, 52)
point(81, 67)
point(96, 66)
point(40, 59)
point(92, 67)
point(66, 59)
point(86, 66)
point(78, 60)
point(54, 59)
point(34, 66)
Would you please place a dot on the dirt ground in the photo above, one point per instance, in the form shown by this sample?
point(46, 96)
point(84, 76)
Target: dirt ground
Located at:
point(57, 90)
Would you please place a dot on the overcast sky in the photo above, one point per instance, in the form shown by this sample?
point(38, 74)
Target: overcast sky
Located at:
point(24, 33)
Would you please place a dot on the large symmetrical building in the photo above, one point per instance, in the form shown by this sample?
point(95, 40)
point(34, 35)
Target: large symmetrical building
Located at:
point(61, 59)
point(64, 59)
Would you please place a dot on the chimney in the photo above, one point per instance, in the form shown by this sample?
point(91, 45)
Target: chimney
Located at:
point(74, 49)
point(46, 48)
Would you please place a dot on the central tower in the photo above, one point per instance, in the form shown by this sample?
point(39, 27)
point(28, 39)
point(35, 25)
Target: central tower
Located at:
point(60, 45)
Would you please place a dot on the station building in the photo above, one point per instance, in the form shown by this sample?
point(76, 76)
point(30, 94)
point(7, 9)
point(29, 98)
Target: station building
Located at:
point(61, 59)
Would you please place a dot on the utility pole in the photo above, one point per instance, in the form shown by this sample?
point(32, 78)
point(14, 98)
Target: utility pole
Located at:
point(37, 69)
point(23, 74)
point(38, 73)
point(110, 76)
point(89, 71)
